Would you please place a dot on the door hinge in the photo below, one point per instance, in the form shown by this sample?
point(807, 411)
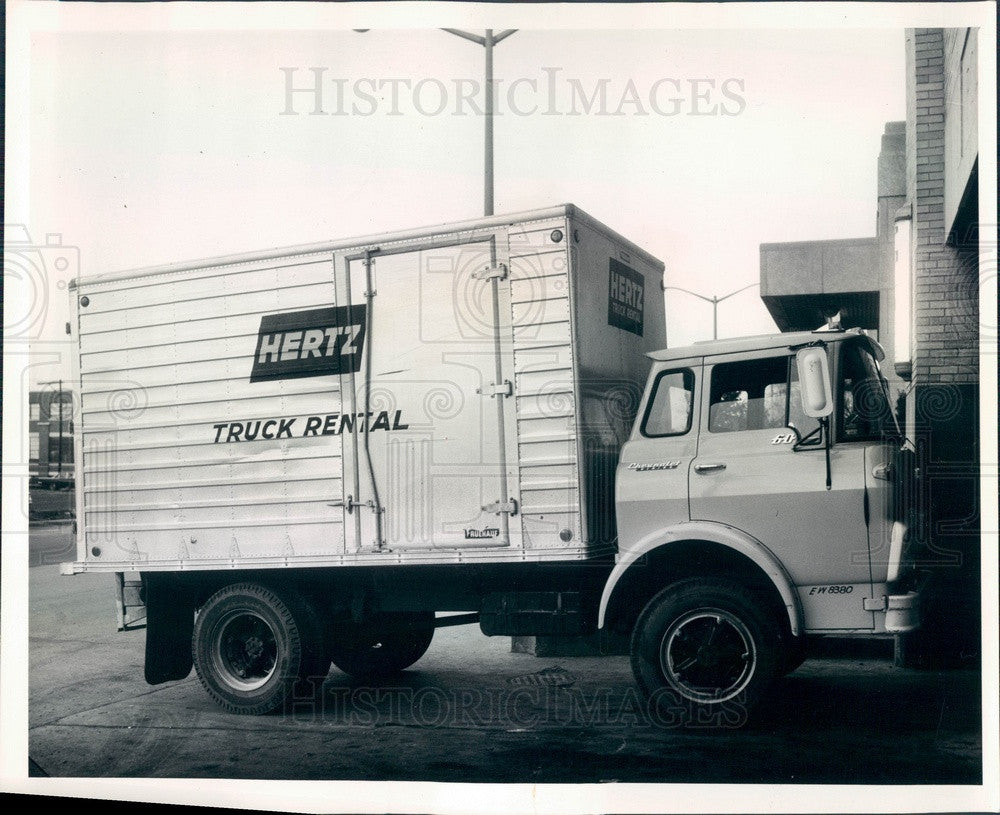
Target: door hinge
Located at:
point(497, 507)
point(876, 603)
point(497, 272)
point(505, 388)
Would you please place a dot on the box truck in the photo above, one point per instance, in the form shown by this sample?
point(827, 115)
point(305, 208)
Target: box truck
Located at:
point(312, 455)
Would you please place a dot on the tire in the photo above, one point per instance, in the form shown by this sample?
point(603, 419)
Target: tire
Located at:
point(254, 647)
point(703, 651)
point(383, 646)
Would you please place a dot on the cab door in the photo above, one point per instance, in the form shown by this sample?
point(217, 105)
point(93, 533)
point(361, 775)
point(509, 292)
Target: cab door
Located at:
point(865, 425)
point(751, 473)
point(651, 488)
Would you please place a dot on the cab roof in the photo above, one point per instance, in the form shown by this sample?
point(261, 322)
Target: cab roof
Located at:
point(759, 342)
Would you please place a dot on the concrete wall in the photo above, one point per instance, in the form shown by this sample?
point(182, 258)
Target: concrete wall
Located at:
point(799, 279)
point(813, 267)
point(891, 196)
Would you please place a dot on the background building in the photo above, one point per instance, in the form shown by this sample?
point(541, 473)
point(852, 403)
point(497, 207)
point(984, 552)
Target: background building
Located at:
point(937, 283)
point(915, 285)
point(802, 282)
point(50, 434)
point(50, 454)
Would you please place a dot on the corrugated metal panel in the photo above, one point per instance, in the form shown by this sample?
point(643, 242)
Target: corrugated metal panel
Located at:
point(165, 359)
point(165, 388)
point(544, 389)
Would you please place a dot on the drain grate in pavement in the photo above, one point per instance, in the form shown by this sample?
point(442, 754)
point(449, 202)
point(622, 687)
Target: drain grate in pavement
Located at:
point(556, 675)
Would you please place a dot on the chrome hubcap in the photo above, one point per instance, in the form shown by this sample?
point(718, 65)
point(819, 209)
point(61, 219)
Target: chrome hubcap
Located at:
point(707, 655)
point(245, 650)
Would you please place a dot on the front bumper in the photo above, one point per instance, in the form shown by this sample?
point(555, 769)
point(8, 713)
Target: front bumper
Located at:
point(902, 613)
point(897, 608)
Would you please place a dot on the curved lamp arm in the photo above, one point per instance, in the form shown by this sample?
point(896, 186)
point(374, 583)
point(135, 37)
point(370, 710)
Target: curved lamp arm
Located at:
point(727, 296)
point(692, 293)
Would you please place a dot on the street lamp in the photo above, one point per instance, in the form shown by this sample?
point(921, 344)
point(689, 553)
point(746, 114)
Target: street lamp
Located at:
point(714, 300)
point(487, 41)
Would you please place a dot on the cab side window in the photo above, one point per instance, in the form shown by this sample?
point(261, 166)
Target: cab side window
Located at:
point(754, 395)
point(670, 404)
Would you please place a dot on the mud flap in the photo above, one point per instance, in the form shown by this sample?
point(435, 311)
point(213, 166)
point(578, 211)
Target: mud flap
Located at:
point(169, 627)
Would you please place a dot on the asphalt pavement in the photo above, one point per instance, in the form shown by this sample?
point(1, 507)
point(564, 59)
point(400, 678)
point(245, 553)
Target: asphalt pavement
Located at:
point(472, 711)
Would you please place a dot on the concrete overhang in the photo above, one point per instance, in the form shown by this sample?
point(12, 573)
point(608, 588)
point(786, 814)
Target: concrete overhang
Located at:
point(801, 282)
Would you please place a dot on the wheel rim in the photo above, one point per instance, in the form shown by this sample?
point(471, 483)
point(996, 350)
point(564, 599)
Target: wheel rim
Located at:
point(245, 650)
point(708, 655)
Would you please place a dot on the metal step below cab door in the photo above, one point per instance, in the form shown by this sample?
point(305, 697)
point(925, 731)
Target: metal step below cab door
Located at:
point(428, 422)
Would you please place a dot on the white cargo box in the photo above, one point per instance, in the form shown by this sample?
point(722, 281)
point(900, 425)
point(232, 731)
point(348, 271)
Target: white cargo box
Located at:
point(450, 394)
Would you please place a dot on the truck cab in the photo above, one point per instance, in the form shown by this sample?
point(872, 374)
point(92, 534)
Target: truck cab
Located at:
point(749, 479)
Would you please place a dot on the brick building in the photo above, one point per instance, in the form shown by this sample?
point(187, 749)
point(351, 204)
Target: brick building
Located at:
point(937, 326)
point(50, 446)
point(915, 285)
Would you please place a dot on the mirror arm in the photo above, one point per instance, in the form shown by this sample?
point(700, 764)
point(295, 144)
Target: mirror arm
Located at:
point(826, 430)
point(801, 440)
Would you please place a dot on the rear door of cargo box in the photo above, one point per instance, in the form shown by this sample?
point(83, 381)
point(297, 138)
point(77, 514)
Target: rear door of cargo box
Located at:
point(427, 444)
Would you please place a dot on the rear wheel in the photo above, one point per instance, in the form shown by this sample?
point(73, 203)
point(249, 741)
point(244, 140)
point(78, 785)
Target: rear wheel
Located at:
point(253, 647)
point(382, 646)
point(703, 651)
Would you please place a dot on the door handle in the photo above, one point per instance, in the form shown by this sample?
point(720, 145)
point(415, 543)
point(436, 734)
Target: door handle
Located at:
point(882, 472)
point(708, 468)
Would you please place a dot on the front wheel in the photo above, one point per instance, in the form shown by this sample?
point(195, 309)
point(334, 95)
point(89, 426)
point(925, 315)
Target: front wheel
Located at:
point(703, 651)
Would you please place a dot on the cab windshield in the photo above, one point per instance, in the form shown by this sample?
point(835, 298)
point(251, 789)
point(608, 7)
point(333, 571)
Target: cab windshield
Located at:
point(864, 410)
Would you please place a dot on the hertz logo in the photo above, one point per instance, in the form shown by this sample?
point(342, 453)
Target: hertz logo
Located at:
point(313, 342)
point(318, 342)
point(626, 289)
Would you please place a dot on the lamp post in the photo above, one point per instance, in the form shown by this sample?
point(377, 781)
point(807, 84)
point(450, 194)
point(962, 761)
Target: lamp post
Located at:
point(488, 40)
point(714, 300)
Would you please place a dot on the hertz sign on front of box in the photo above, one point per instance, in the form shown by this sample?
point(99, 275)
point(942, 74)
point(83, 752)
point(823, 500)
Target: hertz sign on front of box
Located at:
point(625, 293)
point(317, 342)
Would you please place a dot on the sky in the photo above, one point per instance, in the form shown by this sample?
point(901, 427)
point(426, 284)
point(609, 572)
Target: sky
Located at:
point(135, 139)
point(159, 146)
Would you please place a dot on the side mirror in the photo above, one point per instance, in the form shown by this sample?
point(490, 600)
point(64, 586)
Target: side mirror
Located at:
point(814, 382)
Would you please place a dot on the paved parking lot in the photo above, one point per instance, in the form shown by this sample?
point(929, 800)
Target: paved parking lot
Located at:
point(472, 711)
